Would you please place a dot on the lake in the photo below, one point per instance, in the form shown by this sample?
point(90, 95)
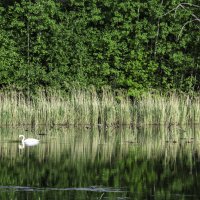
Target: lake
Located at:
point(79, 163)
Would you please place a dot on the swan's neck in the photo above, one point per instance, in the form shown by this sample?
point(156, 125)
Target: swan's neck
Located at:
point(23, 138)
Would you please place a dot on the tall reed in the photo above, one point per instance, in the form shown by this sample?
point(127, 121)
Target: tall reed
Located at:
point(86, 107)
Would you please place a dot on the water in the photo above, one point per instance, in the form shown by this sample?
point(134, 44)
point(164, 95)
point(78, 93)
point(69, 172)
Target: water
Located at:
point(140, 163)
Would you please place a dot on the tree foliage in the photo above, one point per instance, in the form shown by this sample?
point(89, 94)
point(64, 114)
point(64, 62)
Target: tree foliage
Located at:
point(132, 45)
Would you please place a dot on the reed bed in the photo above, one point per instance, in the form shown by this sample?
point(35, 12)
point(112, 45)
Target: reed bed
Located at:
point(86, 107)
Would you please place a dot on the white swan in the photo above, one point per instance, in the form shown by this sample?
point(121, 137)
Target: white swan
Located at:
point(29, 141)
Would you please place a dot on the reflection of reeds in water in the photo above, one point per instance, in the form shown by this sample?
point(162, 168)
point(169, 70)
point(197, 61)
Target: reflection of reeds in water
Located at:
point(75, 145)
point(86, 107)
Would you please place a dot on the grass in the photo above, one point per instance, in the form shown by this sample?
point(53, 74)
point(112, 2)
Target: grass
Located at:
point(86, 107)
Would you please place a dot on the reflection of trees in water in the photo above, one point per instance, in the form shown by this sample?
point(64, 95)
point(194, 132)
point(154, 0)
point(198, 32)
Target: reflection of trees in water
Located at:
point(147, 161)
point(89, 145)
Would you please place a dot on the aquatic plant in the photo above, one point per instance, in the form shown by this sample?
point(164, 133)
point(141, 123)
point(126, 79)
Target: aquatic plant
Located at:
point(86, 107)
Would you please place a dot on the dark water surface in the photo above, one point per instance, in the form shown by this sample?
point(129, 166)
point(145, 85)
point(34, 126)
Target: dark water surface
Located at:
point(140, 163)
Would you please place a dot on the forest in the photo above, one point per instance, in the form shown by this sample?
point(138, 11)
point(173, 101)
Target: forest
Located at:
point(135, 46)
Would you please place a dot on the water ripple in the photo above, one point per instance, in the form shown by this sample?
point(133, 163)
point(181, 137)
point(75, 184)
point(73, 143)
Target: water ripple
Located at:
point(90, 189)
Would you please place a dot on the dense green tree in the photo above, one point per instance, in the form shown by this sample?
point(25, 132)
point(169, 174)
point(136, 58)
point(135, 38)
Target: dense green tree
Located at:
point(9, 56)
point(132, 45)
point(39, 36)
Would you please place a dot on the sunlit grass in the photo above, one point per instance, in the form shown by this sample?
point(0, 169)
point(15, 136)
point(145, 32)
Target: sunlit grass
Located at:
point(86, 107)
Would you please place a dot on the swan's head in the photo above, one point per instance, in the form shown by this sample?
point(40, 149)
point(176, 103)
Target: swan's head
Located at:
point(21, 136)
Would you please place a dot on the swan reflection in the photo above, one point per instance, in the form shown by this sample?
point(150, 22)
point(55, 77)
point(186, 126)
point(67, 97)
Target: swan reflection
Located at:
point(22, 146)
